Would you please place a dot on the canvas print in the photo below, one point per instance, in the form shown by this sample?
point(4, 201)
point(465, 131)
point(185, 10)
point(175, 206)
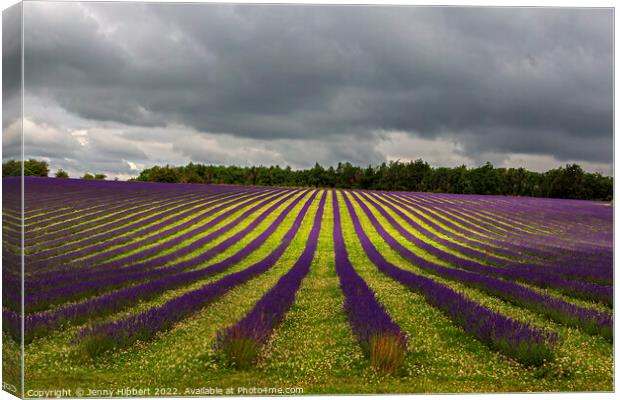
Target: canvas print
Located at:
point(258, 199)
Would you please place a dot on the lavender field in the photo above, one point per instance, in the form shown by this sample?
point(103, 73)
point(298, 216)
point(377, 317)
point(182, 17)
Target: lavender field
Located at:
point(181, 286)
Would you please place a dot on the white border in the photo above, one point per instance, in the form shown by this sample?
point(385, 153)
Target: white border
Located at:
point(488, 3)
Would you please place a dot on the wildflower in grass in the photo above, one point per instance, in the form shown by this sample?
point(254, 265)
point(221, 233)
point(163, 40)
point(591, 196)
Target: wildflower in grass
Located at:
point(592, 321)
point(241, 342)
point(143, 326)
point(380, 337)
point(528, 344)
point(42, 322)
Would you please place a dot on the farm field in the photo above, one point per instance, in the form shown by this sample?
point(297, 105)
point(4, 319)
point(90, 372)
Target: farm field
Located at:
point(153, 285)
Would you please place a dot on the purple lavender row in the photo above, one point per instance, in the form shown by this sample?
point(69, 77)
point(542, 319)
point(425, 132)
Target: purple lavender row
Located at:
point(10, 231)
point(41, 238)
point(91, 191)
point(100, 237)
point(493, 225)
point(90, 269)
point(11, 267)
point(488, 244)
point(9, 205)
point(41, 280)
point(78, 280)
point(42, 197)
point(11, 234)
point(11, 186)
point(497, 225)
point(537, 214)
point(489, 229)
point(94, 256)
point(10, 257)
point(550, 241)
point(507, 210)
point(510, 217)
point(91, 211)
point(575, 236)
point(542, 275)
point(576, 261)
point(11, 210)
point(512, 246)
point(41, 323)
point(550, 215)
point(369, 321)
point(591, 321)
point(560, 239)
point(72, 231)
point(9, 219)
point(568, 272)
point(45, 189)
point(11, 238)
point(256, 326)
point(40, 300)
point(11, 198)
point(128, 232)
point(81, 220)
point(123, 333)
point(499, 211)
point(573, 220)
point(516, 339)
point(555, 247)
point(94, 205)
point(468, 230)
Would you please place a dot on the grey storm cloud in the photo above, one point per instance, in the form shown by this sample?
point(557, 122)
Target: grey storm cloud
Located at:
point(11, 81)
point(501, 80)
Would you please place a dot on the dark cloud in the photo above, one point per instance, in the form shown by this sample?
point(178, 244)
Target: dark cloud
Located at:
point(11, 82)
point(320, 81)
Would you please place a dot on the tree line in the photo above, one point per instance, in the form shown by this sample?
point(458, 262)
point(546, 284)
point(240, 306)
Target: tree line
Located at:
point(34, 167)
point(570, 181)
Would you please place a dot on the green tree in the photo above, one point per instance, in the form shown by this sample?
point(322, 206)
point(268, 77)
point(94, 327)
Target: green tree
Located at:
point(32, 167)
point(61, 173)
point(565, 182)
point(160, 174)
point(12, 168)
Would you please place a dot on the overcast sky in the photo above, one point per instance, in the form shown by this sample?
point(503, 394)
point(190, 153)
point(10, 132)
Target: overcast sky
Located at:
point(115, 88)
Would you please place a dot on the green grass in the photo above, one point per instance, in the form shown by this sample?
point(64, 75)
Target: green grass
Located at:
point(11, 365)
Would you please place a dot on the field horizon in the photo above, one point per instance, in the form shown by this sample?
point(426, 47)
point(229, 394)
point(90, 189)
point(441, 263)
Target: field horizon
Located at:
point(153, 285)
